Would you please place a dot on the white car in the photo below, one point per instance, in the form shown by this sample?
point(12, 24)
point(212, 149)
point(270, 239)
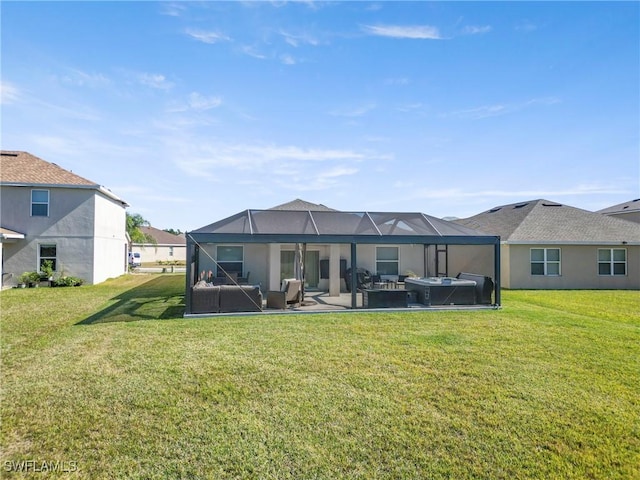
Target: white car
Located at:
point(134, 259)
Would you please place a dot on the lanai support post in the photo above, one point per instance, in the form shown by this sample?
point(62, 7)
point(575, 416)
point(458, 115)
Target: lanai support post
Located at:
point(334, 270)
point(496, 267)
point(189, 275)
point(354, 277)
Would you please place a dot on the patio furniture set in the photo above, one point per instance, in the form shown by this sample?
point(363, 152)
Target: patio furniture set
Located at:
point(210, 297)
point(465, 289)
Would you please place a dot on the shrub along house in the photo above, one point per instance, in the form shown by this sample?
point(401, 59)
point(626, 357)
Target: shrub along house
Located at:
point(261, 244)
point(547, 245)
point(49, 213)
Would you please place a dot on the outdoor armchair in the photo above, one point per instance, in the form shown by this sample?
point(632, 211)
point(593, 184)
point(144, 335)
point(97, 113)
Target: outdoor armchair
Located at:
point(289, 294)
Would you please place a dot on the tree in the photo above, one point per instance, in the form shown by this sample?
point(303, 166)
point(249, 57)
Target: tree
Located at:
point(134, 222)
point(174, 231)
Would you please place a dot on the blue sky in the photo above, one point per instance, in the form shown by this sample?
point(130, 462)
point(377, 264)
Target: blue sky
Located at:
point(192, 112)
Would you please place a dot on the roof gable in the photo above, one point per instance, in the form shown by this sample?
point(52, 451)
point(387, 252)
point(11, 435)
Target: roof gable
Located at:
point(546, 221)
point(299, 204)
point(625, 207)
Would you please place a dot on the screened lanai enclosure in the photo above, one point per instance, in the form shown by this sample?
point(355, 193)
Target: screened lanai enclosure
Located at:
point(387, 258)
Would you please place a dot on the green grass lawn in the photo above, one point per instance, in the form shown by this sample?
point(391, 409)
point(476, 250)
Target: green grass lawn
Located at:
point(114, 380)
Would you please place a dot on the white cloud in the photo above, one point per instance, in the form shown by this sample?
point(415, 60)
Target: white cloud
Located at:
point(297, 40)
point(337, 172)
point(79, 78)
point(252, 52)
point(200, 102)
point(458, 193)
point(287, 59)
point(421, 32)
point(487, 111)
point(154, 80)
point(411, 107)
point(173, 9)
point(475, 30)
point(288, 177)
point(207, 36)
point(9, 93)
point(206, 159)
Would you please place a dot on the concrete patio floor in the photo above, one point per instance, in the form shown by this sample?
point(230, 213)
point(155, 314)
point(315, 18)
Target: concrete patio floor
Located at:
point(322, 302)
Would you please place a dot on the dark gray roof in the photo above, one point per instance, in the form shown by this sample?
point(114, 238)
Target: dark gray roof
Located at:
point(626, 207)
point(546, 221)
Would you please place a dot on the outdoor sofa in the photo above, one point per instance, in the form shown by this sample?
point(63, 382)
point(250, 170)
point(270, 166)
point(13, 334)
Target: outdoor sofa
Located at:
point(209, 298)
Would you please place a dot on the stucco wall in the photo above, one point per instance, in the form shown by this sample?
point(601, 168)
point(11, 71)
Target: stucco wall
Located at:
point(155, 253)
point(579, 269)
point(109, 259)
point(255, 261)
point(410, 258)
point(70, 211)
point(69, 226)
point(471, 259)
point(87, 229)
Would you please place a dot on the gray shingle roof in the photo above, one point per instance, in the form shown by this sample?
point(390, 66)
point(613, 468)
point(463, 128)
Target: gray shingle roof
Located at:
point(299, 204)
point(546, 221)
point(27, 169)
point(625, 207)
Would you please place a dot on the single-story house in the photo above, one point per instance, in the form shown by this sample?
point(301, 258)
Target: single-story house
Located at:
point(626, 211)
point(49, 213)
point(168, 247)
point(548, 245)
point(262, 244)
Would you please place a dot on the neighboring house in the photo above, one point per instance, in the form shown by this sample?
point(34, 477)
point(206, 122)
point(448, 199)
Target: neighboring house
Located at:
point(547, 245)
point(626, 211)
point(49, 213)
point(167, 247)
point(263, 245)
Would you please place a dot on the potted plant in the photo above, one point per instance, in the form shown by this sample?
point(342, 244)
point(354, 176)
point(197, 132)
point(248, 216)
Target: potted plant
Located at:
point(34, 279)
point(24, 279)
point(46, 271)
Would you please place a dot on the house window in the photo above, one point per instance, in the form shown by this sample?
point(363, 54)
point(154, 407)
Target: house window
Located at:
point(229, 259)
point(612, 261)
point(387, 260)
point(171, 251)
point(545, 261)
point(39, 203)
point(47, 252)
